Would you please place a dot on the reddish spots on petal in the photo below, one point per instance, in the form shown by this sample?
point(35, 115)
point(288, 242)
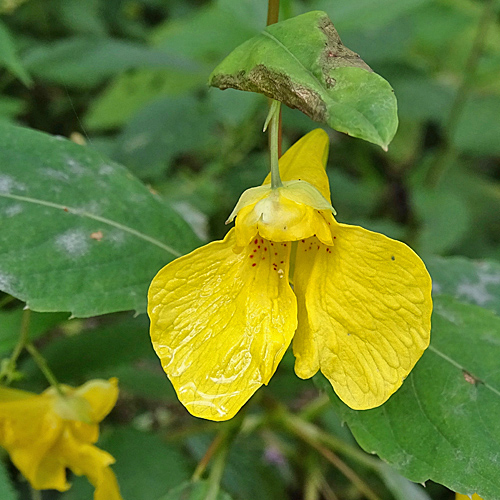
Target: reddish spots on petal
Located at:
point(258, 246)
point(262, 241)
point(251, 256)
point(275, 253)
point(265, 249)
point(281, 262)
point(256, 241)
point(254, 264)
point(303, 241)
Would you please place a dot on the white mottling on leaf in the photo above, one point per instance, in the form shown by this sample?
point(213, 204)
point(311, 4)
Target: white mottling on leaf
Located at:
point(75, 243)
point(8, 184)
point(117, 237)
point(13, 210)
point(55, 174)
point(436, 287)
point(6, 281)
point(478, 292)
point(106, 169)
point(446, 314)
point(76, 168)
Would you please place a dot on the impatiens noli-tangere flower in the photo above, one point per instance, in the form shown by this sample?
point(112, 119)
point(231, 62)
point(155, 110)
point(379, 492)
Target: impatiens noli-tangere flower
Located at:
point(49, 432)
point(356, 304)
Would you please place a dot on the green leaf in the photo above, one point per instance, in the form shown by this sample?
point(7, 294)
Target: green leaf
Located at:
point(443, 423)
point(98, 59)
point(79, 233)
point(193, 491)
point(303, 63)
point(7, 491)
point(8, 56)
point(470, 281)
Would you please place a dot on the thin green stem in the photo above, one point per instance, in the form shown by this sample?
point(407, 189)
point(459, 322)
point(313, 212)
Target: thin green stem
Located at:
point(203, 463)
point(274, 132)
point(349, 473)
point(447, 152)
point(313, 478)
point(6, 300)
point(273, 11)
point(317, 439)
point(311, 433)
point(8, 373)
point(217, 471)
point(36, 494)
point(44, 367)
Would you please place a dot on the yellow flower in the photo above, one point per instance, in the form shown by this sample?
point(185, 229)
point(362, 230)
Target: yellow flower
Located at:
point(475, 496)
point(223, 316)
point(47, 433)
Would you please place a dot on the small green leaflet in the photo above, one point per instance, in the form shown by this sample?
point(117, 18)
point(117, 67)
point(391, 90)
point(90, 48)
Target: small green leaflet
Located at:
point(79, 232)
point(303, 63)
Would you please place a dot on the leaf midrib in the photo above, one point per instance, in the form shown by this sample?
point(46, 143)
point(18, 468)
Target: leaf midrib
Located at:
point(459, 366)
point(82, 213)
point(308, 71)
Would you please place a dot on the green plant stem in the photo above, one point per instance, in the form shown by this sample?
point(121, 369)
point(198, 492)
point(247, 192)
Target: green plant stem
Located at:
point(274, 131)
point(203, 463)
point(347, 471)
point(447, 153)
point(313, 479)
point(218, 469)
point(311, 433)
point(44, 367)
point(315, 408)
point(316, 438)
point(273, 11)
point(36, 494)
point(8, 374)
point(6, 300)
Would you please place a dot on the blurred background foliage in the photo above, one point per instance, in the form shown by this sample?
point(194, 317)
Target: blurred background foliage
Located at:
point(128, 78)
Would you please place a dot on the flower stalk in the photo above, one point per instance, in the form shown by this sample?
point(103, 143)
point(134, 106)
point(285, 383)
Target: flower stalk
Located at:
point(273, 120)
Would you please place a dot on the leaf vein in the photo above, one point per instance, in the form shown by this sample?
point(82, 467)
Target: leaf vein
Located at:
point(89, 215)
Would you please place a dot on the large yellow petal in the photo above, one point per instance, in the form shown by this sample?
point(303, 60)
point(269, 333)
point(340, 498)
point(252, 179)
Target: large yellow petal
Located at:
point(221, 322)
point(101, 395)
point(306, 160)
point(88, 460)
point(29, 430)
point(364, 312)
